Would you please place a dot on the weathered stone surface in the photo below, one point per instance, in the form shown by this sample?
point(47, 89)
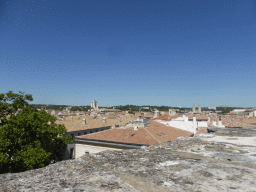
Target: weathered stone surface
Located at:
point(189, 164)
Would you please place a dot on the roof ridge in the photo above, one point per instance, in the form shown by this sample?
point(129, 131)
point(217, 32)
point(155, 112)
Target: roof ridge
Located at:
point(151, 134)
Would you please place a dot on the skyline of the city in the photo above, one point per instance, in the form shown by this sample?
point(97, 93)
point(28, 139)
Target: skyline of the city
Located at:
point(102, 106)
point(139, 52)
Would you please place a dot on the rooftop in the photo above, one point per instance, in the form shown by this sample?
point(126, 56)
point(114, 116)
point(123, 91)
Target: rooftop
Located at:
point(154, 133)
point(75, 124)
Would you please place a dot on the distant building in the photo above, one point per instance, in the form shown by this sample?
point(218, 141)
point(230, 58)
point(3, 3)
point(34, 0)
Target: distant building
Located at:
point(199, 108)
point(94, 105)
point(172, 112)
point(238, 110)
point(194, 108)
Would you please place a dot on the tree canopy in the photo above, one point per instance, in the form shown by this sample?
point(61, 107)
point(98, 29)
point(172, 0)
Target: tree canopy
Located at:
point(29, 139)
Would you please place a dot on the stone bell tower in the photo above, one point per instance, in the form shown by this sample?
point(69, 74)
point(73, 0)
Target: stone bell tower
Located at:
point(194, 107)
point(199, 108)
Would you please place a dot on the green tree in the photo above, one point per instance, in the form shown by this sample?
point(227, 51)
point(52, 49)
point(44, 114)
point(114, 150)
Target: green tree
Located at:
point(30, 139)
point(225, 111)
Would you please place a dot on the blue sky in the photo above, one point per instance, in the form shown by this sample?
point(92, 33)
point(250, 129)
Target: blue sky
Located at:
point(141, 52)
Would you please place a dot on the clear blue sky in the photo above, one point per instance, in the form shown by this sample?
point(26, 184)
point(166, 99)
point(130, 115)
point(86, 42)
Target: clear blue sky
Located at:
point(120, 52)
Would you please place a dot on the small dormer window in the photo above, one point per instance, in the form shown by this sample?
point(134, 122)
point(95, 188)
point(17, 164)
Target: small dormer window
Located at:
point(79, 134)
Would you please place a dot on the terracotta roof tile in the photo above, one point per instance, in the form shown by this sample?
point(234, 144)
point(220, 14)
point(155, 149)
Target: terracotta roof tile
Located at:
point(198, 117)
point(76, 124)
point(154, 133)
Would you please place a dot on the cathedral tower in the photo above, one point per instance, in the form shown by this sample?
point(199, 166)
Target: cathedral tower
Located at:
point(199, 108)
point(194, 107)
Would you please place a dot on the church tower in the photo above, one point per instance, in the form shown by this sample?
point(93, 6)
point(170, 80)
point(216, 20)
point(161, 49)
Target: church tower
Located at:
point(194, 107)
point(199, 108)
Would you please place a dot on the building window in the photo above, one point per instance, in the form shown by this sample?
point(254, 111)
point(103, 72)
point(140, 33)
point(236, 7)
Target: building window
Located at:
point(79, 134)
point(90, 131)
point(72, 135)
point(85, 133)
point(71, 153)
point(96, 131)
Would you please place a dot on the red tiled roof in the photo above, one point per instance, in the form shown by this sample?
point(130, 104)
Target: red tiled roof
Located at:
point(231, 124)
point(202, 130)
point(198, 117)
point(75, 124)
point(154, 133)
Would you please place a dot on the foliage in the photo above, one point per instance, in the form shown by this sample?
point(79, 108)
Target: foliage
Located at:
point(26, 140)
point(55, 107)
point(151, 108)
point(226, 108)
point(225, 111)
point(76, 108)
point(131, 112)
point(18, 102)
point(61, 107)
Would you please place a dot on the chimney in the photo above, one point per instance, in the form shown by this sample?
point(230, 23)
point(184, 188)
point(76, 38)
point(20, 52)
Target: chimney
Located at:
point(135, 128)
point(194, 124)
point(84, 122)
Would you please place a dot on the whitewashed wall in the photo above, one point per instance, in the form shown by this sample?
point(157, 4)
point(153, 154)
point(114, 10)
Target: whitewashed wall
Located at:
point(202, 124)
point(81, 148)
point(184, 124)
